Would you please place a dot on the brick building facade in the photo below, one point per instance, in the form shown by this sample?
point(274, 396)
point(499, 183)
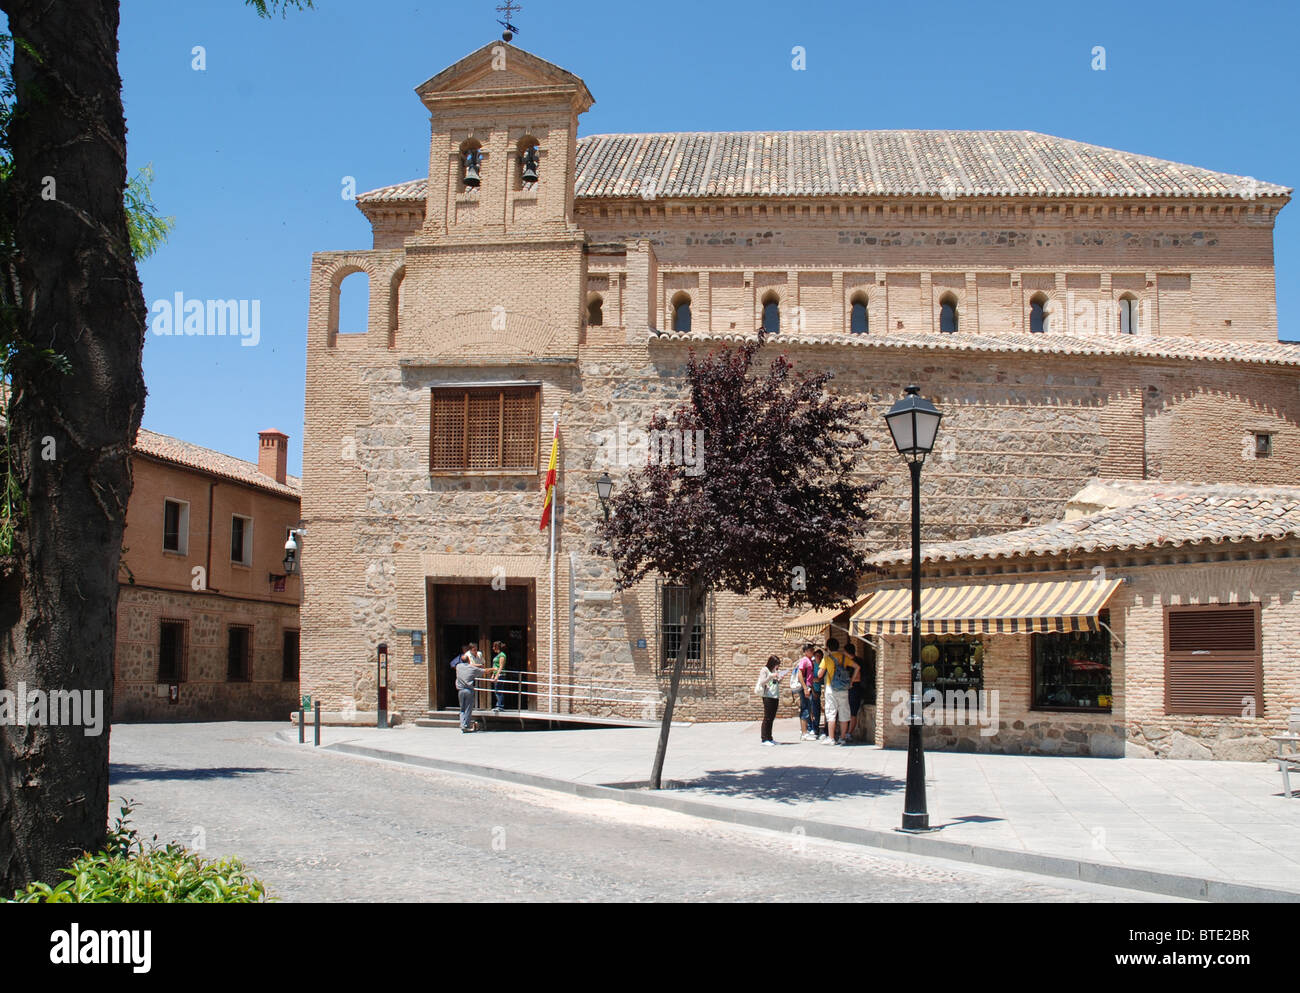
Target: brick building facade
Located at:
point(207, 619)
point(1076, 312)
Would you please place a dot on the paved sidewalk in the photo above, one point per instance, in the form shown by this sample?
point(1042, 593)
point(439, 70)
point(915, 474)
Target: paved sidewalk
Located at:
point(1216, 830)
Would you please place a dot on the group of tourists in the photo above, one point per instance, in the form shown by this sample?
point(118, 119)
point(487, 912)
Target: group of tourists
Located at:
point(826, 685)
point(470, 668)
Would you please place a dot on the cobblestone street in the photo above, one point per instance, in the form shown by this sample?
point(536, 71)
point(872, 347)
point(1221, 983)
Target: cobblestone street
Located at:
point(323, 827)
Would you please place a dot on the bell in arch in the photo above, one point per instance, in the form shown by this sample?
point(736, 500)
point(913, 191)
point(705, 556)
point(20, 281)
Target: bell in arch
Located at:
point(473, 159)
point(531, 161)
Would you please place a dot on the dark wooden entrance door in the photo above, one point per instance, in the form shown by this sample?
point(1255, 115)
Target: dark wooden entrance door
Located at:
point(451, 640)
point(461, 613)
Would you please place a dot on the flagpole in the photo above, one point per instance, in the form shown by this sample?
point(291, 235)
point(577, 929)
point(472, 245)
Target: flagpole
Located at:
point(554, 497)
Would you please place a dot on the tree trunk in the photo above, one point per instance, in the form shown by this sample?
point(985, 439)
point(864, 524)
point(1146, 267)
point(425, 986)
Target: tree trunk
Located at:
point(71, 432)
point(694, 607)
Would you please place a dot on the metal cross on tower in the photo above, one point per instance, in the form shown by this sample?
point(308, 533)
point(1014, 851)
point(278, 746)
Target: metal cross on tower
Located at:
point(509, 9)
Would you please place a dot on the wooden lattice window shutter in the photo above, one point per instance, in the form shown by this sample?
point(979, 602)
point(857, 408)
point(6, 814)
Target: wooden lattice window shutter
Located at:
point(483, 429)
point(1214, 660)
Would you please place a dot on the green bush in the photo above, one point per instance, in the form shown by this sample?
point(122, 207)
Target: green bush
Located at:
point(127, 871)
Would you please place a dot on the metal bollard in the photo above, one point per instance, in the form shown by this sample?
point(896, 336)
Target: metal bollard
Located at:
point(317, 723)
point(302, 724)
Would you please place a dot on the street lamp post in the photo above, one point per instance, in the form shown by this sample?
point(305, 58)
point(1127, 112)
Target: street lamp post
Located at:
point(291, 547)
point(914, 423)
point(604, 489)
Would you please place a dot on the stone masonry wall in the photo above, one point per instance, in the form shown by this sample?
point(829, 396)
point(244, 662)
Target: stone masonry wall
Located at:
point(205, 693)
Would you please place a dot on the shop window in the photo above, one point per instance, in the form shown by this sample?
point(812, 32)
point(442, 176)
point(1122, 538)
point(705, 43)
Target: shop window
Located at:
point(672, 622)
point(289, 656)
point(484, 429)
point(1214, 663)
point(171, 652)
point(1072, 671)
point(952, 662)
point(859, 322)
point(239, 641)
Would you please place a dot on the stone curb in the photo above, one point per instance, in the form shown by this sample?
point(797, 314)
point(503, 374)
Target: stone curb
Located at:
point(1101, 873)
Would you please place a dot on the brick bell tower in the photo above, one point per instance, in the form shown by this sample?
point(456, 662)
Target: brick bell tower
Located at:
point(498, 268)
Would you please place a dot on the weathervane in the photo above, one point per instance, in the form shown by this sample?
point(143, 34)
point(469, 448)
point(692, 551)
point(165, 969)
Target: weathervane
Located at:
point(509, 9)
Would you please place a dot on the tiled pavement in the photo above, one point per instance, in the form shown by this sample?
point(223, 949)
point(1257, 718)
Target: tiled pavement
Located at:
point(1225, 822)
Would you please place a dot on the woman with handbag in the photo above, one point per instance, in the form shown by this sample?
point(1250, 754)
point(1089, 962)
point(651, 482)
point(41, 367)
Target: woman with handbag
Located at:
point(768, 687)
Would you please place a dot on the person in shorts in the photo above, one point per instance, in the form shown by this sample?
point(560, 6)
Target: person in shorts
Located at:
point(837, 674)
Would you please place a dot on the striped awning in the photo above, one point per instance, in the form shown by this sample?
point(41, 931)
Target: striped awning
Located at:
point(1010, 608)
point(816, 624)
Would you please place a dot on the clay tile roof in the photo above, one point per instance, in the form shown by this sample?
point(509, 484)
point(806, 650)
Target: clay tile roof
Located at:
point(948, 164)
point(168, 449)
point(1281, 353)
point(1149, 515)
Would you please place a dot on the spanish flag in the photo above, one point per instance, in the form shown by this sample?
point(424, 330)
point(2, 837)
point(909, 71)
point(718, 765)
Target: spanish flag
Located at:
point(550, 479)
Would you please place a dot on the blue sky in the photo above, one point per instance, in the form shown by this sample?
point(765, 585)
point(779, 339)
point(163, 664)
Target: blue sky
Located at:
point(251, 153)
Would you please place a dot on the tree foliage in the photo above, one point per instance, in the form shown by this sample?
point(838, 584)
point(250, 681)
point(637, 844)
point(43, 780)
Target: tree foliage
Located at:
point(771, 503)
point(778, 511)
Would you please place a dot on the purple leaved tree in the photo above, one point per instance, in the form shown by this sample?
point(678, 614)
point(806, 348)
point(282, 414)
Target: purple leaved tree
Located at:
point(779, 509)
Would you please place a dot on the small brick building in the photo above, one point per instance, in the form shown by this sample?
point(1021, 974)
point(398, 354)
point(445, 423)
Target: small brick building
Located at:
point(1158, 619)
point(207, 620)
point(1076, 311)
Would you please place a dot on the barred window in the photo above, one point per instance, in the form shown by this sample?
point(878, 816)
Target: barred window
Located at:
point(239, 641)
point(289, 656)
point(484, 429)
point(672, 622)
point(171, 652)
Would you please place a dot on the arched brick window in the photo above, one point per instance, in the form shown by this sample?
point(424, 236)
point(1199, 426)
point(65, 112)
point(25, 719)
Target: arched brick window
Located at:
point(859, 321)
point(1127, 315)
point(352, 304)
point(949, 319)
point(530, 162)
point(772, 313)
point(682, 312)
point(1039, 318)
point(595, 311)
point(471, 164)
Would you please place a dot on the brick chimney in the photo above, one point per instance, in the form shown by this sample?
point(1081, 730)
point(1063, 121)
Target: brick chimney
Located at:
point(273, 454)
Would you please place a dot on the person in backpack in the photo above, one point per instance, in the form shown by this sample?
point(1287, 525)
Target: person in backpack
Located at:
point(768, 687)
point(838, 673)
